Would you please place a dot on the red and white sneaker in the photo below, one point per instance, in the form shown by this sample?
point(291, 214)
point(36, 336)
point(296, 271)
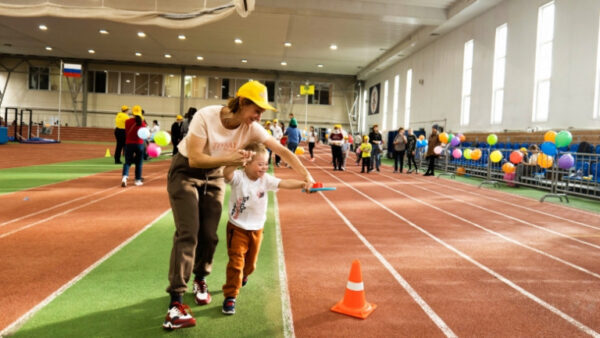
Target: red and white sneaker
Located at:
point(178, 317)
point(201, 294)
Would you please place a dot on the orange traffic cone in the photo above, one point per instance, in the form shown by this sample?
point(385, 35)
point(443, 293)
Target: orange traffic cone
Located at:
point(354, 303)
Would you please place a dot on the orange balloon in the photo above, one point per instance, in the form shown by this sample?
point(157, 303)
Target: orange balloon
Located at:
point(443, 137)
point(462, 137)
point(550, 136)
point(508, 168)
point(544, 160)
point(475, 154)
point(421, 137)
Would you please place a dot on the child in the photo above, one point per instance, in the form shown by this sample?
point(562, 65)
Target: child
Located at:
point(345, 151)
point(247, 216)
point(365, 149)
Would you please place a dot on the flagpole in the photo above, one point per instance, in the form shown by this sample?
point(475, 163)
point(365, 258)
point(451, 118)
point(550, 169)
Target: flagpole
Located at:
point(60, 75)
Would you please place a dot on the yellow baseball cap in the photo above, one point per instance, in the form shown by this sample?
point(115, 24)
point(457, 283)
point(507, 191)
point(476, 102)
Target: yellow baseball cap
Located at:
point(136, 110)
point(179, 117)
point(257, 93)
point(275, 120)
point(124, 108)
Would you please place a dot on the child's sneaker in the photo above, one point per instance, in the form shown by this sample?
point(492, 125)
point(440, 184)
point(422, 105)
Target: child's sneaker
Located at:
point(124, 181)
point(139, 182)
point(245, 281)
point(201, 294)
point(229, 306)
point(178, 317)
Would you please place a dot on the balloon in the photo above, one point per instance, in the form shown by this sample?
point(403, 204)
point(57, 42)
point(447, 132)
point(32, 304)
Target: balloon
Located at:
point(566, 161)
point(443, 137)
point(492, 139)
point(437, 150)
point(563, 139)
point(460, 171)
point(467, 154)
point(162, 138)
point(450, 137)
point(421, 137)
point(544, 160)
point(516, 157)
point(299, 150)
point(153, 150)
point(462, 137)
point(508, 168)
point(457, 153)
point(496, 156)
point(455, 141)
point(143, 133)
point(548, 148)
point(550, 136)
point(476, 154)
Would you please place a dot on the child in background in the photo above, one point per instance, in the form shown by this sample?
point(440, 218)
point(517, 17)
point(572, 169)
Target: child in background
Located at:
point(247, 216)
point(345, 151)
point(365, 150)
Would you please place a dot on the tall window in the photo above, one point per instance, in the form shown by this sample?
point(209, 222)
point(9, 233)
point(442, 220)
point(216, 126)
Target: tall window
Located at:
point(39, 78)
point(365, 98)
point(543, 63)
point(465, 106)
point(597, 89)
point(395, 102)
point(385, 105)
point(499, 71)
point(407, 98)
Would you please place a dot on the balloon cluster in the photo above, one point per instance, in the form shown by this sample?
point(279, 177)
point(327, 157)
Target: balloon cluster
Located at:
point(553, 141)
point(160, 138)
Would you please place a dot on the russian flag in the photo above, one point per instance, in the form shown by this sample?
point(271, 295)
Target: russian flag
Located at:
point(72, 70)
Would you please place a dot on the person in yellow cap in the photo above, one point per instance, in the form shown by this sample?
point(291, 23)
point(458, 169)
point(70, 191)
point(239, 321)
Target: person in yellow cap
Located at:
point(216, 137)
point(120, 119)
point(176, 132)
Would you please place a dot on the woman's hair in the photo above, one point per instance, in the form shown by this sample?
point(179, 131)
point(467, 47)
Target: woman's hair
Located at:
point(533, 147)
point(400, 129)
point(190, 113)
point(258, 148)
point(138, 120)
point(236, 103)
point(282, 126)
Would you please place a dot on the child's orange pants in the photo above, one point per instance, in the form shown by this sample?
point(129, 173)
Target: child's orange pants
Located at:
point(242, 247)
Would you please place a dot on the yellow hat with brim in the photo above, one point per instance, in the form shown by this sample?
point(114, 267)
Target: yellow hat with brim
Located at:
point(179, 117)
point(124, 108)
point(257, 93)
point(136, 110)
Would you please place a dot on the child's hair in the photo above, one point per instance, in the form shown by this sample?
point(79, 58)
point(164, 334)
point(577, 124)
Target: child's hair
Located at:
point(258, 148)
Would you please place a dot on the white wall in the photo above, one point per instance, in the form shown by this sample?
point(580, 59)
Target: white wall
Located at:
point(439, 65)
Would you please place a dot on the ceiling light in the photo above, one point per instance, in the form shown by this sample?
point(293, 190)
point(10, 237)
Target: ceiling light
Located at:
point(199, 58)
point(283, 63)
point(168, 56)
point(48, 48)
point(138, 54)
point(413, 44)
point(43, 27)
point(171, 75)
point(181, 37)
point(320, 65)
point(141, 34)
point(244, 61)
point(91, 51)
point(238, 41)
point(333, 47)
point(287, 44)
point(103, 31)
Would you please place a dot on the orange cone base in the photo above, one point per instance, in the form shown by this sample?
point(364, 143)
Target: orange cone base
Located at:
point(361, 313)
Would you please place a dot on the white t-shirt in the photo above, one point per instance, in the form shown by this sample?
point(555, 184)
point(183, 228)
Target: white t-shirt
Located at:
point(277, 132)
point(220, 141)
point(312, 137)
point(248, 200)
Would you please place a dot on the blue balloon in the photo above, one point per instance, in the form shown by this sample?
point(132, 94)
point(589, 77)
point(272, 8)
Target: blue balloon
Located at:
point(549, 148)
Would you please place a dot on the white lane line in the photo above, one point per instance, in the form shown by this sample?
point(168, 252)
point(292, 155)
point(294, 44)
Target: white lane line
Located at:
point(6, 234)
point(503, 279)
point(286, 305)
point(560, 234)
point(439, 322)
point(14, 326)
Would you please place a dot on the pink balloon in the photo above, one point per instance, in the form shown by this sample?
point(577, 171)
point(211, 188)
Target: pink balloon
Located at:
point(153, 150)
point(456, 153)
point(437, 150)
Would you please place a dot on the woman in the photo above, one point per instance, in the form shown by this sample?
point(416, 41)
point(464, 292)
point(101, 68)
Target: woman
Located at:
point(411, 147)
point(196, 188)
point(399, 149)
point(377, 142)
point(312, 139)
point(431, 155)
point(134, 148)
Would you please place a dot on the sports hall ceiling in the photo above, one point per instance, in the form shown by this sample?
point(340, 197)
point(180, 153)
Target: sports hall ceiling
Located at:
point(369, 34)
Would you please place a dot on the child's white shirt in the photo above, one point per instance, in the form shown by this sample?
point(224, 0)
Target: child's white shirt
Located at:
point(249, 199)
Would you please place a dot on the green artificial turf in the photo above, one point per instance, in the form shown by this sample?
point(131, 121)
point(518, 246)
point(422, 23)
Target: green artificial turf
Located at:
point(125, 296)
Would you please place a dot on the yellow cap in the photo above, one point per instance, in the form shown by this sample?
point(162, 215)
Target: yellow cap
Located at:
point(179, 117)
point(345, 137)
point(268, 122)
point(257, 93)
point(275, 120)
point(124, 108)
point(366, 137)
point(337, 126)
point(523, 149)
point(136, 110)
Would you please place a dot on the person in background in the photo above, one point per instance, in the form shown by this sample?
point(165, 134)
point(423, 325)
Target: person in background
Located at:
point(312, 140)
point(377, 141)
point(433, 142)
point(365, 154)
point(345, 151)
point(120, 119)
point(268, 129)
point(134, 148)
point(411, 150)
point(399, 150)
point(277, 132)
point(187, 120)
point(176, 133)
point(155, 127)
point(294, 136)
point(336, 140)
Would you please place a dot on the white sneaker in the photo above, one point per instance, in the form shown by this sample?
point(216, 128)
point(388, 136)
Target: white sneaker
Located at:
point(139, 182)
point(124, 181)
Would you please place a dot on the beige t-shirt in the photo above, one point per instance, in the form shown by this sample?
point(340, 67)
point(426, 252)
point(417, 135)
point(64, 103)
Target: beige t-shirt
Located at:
point(220, 141)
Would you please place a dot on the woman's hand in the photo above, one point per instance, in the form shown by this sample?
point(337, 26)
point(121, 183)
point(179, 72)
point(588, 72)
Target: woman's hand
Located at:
point(239, 157)
point(308, 183)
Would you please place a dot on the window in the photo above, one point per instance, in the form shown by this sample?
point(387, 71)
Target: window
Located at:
point(270, 90)
point(365, 112)
point(172, 85)
point(156, 85)
point(543, 63)
point(113, 82)
point(385, 104)
point(465, 107)
point(96, 81)
point(39, 78)
point(407, 98)
point(498, 76)
point(127, 83)
point(395, 102)
point(321, 95)
point(195, 86)
point(141, 84)
point(597, 89)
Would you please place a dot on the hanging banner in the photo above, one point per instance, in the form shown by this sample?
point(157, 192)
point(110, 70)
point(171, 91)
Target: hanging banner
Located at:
point(374, 99)
point(72, 70)
point(307, 89)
